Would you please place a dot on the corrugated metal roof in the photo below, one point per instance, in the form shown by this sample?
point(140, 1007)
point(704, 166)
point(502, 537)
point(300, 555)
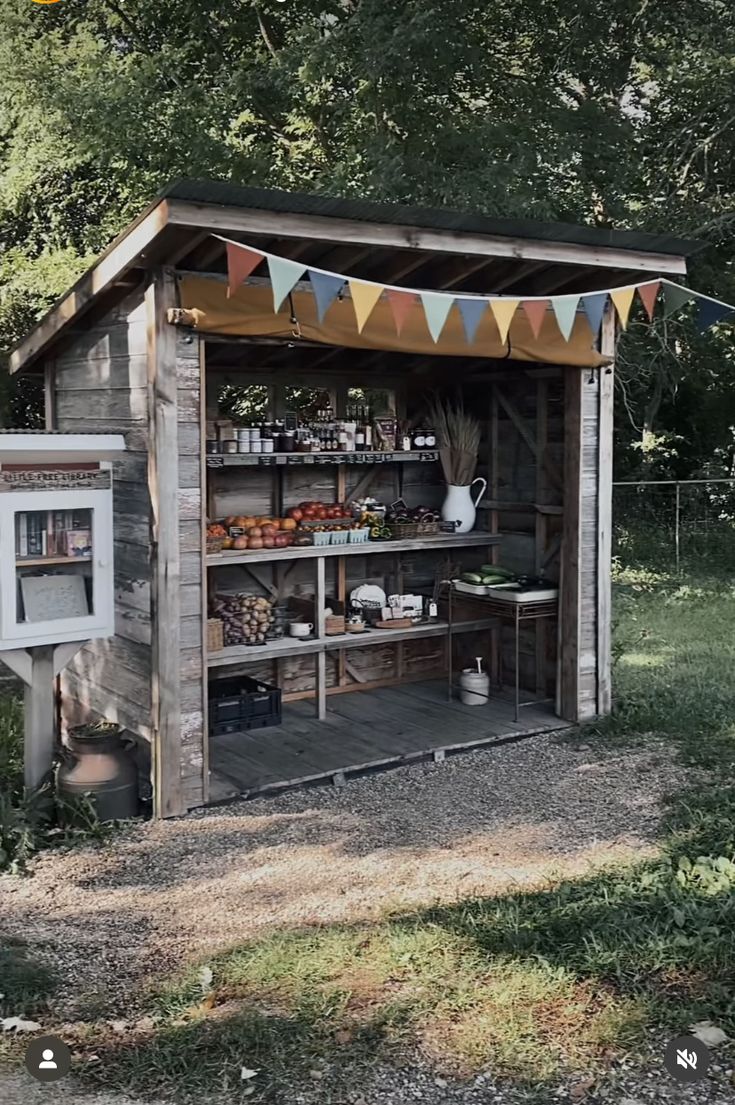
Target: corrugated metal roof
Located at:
point(227, 194)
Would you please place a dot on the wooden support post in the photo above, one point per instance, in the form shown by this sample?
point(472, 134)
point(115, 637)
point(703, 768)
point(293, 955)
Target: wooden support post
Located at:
point(321, 659)
point(39, 717)
point(163, 488)
point(605, 520)
point(578, 612)
point(541, 522)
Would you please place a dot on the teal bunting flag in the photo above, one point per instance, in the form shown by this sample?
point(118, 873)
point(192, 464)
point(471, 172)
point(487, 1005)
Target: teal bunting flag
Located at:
point(710, 312)
point(565, 309)
point(284, 275)
point(327, 286)
point(471, 311)
point(436, 309)
point(594, 307)
point(675, 297)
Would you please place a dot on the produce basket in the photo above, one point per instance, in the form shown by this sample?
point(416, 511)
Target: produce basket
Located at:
point(322, 538)
point(358, 536)
point(215, 544)
point(340, 537)
point(428, 529)
point(215, 635)
point(402, 531)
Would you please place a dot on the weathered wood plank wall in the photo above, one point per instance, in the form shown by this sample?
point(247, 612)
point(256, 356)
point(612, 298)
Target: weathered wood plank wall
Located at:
point(99, 382)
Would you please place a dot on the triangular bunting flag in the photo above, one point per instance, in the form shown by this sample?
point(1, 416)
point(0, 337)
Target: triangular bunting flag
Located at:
point(284, 275)
point(436, 309)
point(400, 304)
point(241, 261)
point(364, 298)
point(565, 309)
point(594, 307)
point(710, 312)
point(622, 298)
point(503, 310)
point(327, 286)
point(647, 294)
point(535, 311)
point(471, 311)
point(675, 297)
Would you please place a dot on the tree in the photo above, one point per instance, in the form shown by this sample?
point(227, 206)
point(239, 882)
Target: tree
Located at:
point(611, 115)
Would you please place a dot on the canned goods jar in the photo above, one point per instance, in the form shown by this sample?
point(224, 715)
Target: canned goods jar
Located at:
point(229, 446)
point(256, 445)
point(267, 445)
point(212, 445)
point(244, 434)
point(243, 446)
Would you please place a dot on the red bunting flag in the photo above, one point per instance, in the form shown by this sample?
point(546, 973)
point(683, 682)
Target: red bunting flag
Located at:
point(241, 261)
point(535, 311)
point(647, 294)
point(400, 305)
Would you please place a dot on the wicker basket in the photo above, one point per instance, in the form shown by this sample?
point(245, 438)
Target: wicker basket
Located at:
point(215, 544)
point(215, 635)
point(402, 531)
point(428, 529)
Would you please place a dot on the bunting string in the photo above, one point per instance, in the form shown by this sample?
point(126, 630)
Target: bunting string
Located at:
point(243, 260)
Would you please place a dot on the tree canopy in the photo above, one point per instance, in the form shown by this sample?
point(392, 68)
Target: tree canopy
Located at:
point(609, 114)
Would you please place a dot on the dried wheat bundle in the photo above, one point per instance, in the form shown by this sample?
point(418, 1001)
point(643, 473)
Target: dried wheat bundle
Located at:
point(458, 436)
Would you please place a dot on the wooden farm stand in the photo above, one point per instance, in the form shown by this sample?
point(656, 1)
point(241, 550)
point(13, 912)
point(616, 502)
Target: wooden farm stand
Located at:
point(113, 360)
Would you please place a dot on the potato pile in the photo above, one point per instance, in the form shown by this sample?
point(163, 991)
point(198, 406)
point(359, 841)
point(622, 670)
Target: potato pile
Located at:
point(246, 619)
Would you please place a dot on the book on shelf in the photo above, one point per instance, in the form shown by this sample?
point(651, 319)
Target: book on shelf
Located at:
point(78, 542)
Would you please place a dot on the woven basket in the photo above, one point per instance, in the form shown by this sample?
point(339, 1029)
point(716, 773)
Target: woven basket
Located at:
point(428, 529)
point(215, 635)
point(215, 544)
point(404, 530)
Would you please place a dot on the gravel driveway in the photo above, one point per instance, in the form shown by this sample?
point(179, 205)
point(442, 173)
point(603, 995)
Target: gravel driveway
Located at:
point(110, 918)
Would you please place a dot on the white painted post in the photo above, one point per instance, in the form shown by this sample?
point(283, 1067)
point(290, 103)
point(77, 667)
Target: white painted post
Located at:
point(40, 716)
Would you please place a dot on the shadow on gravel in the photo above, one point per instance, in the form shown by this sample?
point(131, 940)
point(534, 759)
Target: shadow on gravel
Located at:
point(534, 986)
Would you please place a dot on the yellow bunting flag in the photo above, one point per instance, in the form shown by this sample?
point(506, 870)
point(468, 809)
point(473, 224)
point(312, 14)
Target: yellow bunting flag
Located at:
point(503, 311)
point(622, 298)
point(364, 298)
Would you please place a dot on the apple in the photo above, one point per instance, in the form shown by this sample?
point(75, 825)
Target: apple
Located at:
point(269, 541)
point(281, 540)
point(255, 542)
point(240, 543)
point(296, 513)
point(289, 523)
point(268, 530)
point(255, 531)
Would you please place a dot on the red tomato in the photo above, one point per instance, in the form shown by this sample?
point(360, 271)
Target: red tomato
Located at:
point(296, 513)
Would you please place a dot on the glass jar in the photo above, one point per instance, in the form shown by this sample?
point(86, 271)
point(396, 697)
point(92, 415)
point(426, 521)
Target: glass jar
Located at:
point(229, 446)
point(256, 445)
point(287, 441)
point(419, 439)
point(269, 445)
point(430, 442)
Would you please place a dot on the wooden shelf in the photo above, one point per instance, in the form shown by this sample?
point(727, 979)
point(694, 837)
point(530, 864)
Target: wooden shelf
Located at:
point(290, 646)
point(277, 460)
point(43, 561)
point(312, 552)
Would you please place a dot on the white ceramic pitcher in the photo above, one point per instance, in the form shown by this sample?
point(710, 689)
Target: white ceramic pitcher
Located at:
point(461, 506)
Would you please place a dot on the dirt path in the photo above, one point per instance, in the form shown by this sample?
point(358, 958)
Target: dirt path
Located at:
point(108, 918)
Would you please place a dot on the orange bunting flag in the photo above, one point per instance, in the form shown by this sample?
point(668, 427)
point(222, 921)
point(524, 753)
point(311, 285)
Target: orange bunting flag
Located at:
point(400, 305)
point(647, 294)
point(241, 261)
point(364, 298)
point(503, 311)
point(623, 299)
point(535, 311)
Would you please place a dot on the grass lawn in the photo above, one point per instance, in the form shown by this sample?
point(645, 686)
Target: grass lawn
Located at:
point(535, 986)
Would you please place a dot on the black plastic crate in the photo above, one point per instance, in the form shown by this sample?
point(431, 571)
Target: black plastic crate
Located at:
point(242, 703)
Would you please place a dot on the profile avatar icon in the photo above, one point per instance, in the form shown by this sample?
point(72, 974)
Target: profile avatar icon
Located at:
point(48, 1059)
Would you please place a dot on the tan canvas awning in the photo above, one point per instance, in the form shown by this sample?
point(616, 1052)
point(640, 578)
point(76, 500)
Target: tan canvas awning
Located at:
point(249, 313)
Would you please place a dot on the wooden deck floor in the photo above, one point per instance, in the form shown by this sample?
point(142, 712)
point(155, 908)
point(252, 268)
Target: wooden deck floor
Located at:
point(363, 731)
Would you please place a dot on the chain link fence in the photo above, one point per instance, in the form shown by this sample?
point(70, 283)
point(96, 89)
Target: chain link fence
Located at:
point(674, 523)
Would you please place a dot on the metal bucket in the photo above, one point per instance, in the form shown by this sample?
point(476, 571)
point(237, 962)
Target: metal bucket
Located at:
point(474, 687)
point(98, 764)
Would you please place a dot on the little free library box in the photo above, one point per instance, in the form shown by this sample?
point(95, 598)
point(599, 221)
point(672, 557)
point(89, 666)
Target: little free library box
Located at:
point(298, 585)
